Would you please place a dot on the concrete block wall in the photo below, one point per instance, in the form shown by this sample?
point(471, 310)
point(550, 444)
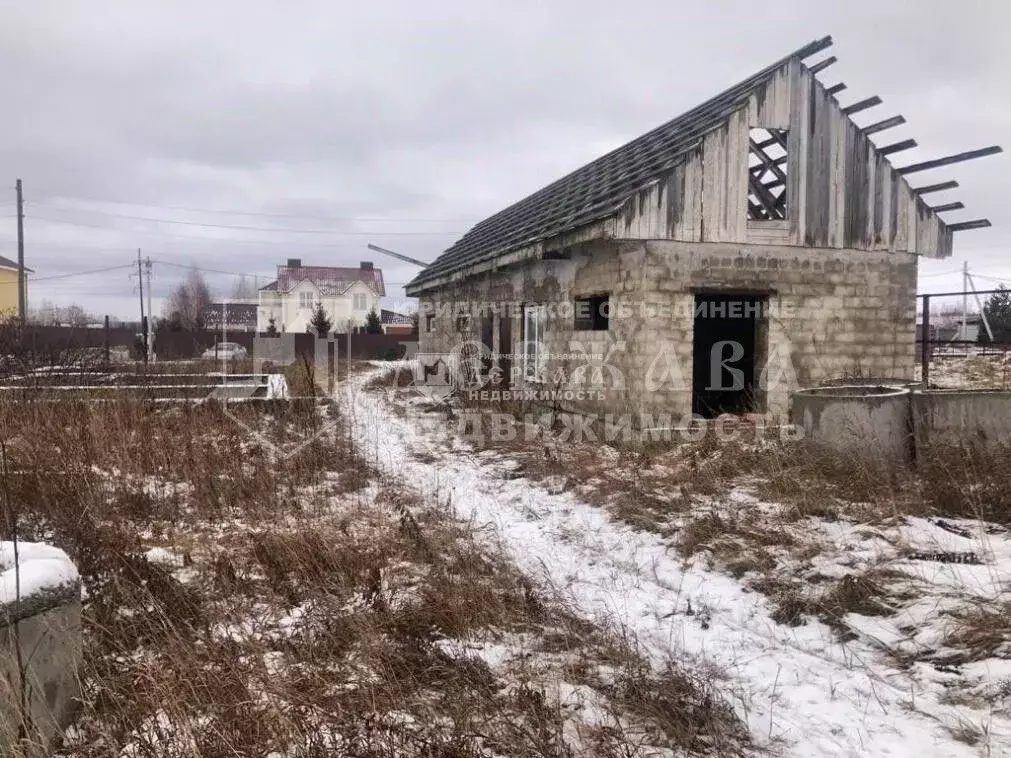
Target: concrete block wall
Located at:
point(832, 314)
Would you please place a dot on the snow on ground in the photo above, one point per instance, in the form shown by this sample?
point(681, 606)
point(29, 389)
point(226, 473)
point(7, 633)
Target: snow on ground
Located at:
point(798, 688)
point(962, 371)
point(37, 568)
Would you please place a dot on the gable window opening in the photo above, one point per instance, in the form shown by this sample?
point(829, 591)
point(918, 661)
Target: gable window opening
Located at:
point(306, 300)
point(360, 303)
point(767, 174)
point(534, 356)
point(592, 313)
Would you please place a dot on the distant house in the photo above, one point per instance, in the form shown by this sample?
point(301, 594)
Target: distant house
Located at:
point(346, 294)
point(234, 317)
point(400, 324)
point(951, 331)
point(9, 287)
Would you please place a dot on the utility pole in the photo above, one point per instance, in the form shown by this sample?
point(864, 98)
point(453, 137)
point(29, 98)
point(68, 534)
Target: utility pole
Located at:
point(982, 310)
point(965, 301)
point(143, 320)
point(22, 289)
point(150, 319)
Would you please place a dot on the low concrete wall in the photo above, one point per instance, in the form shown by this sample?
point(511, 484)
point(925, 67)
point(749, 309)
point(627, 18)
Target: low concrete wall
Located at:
point(866, 420)
point(40, 659)
point(975, 417)
point(871, 382)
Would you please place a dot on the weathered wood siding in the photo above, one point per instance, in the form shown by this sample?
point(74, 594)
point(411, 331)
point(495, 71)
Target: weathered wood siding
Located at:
point(840, 192)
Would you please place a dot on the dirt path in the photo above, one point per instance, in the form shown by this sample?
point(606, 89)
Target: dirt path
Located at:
point(799, 689)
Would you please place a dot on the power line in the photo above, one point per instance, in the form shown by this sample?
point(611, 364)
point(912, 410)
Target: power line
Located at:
point(256, 214)
point(992, 278)
point(244, 227)
point(207, 270)
point(73, 274)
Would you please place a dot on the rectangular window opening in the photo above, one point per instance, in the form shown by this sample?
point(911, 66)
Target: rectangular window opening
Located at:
point(429, 322)
point(767, 174)
point(463, 322)
point(592, 313)
point(305, 300)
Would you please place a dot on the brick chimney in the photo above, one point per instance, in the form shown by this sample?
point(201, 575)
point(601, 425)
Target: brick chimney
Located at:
point(294, 263)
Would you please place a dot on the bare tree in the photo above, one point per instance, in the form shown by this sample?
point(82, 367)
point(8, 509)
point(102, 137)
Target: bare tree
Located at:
point(49, 313)
point(244, 289)
point(190, 302)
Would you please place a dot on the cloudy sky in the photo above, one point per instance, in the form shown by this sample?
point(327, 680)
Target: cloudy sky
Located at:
point(233, 134)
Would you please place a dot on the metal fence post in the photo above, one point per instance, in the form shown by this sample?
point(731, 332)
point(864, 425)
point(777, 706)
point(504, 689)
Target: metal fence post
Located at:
point(925, 343)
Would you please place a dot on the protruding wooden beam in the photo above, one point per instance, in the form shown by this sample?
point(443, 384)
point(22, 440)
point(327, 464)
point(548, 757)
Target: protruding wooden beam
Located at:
point(956, 206)
point(888, 123)
point(863, 105)
point(896, 147)
point(949, 159)
point(962, 226)
point(836, 88)
point(815, 47)
point(822, 65)
point(935, 187)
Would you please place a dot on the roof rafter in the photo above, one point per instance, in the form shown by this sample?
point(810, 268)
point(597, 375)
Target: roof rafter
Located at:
point(952, 184)
point(963, 226)
point(896, 147)
point(888, 123)
point(862, 105)
point(949, 159)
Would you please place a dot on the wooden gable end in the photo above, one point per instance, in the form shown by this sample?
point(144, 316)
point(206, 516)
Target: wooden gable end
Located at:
point(841, 191)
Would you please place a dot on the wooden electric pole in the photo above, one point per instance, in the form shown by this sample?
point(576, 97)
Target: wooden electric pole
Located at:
point(22, 289)
point(143, 321)
point(150, 319)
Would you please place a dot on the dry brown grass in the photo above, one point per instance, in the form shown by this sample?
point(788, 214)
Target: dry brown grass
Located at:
point(307, 603)
point(866, 593)
point(982, 632)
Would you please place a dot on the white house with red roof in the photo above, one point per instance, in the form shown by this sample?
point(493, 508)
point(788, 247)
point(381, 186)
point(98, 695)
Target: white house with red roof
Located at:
point(347, 295)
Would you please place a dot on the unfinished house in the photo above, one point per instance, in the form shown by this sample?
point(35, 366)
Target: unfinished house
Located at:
point(761, 241)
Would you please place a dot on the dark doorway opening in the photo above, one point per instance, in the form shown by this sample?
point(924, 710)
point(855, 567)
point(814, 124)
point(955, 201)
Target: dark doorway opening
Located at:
point(487, 344)
point(725, 353)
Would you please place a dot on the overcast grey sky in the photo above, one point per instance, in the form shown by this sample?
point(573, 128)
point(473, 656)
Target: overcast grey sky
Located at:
point(401, 123)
